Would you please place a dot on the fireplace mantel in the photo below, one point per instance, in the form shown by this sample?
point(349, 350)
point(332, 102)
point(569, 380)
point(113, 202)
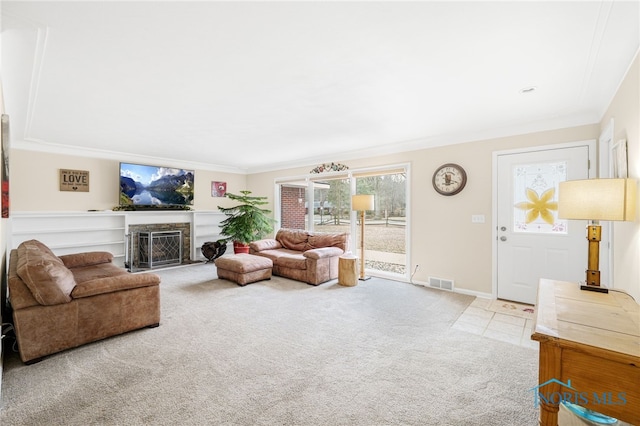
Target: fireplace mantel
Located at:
point(72, 232)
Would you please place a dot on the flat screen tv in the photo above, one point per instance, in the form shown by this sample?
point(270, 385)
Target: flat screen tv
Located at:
point(155, 187)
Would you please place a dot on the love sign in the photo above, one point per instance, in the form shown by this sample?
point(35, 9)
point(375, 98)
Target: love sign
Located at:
point(74, 180)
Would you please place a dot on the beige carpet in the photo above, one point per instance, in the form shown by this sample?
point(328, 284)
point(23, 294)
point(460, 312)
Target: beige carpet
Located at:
point(281, 352)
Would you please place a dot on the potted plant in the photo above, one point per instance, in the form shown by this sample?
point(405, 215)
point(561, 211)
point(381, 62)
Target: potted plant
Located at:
point(245, 222)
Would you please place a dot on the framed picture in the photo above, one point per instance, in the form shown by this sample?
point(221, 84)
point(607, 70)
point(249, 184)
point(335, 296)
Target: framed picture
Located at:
point(619, 159)
point(218, 189)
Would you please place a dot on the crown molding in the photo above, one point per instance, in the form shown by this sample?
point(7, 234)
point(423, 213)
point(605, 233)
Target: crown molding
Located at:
point(476, 135)
point(32, 144)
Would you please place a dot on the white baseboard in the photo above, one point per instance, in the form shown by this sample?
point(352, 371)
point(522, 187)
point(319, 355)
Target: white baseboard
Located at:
point(459, 290)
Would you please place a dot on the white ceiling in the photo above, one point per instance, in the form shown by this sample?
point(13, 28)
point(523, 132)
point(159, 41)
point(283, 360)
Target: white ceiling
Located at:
point(252, 86)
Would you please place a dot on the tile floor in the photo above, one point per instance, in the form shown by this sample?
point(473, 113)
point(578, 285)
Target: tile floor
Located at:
point(499, 319)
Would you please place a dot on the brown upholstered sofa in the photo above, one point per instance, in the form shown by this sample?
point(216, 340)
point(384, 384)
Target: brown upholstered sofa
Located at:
point(302, 255)
point(63, 302)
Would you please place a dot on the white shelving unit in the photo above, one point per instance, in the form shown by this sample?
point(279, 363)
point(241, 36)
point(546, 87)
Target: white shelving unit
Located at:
point(206, 227)
point(67, 232)
point(73, 232)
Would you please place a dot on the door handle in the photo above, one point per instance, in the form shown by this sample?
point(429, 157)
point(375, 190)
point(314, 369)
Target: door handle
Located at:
point(503, 228)
point(503, 238)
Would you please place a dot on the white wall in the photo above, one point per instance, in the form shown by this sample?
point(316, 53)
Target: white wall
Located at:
point(625, 112)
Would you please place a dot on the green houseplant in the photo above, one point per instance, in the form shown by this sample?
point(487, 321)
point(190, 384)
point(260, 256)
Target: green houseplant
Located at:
point(247, 221)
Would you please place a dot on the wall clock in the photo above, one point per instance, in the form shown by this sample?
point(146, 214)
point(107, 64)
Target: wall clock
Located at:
point(449, 179)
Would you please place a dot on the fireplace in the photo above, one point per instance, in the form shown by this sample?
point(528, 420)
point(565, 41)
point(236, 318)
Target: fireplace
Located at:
point(152, 246)
point(160, 248)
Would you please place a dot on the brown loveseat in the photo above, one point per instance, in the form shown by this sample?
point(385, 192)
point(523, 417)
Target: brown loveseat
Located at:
point(64, 302)
point(302, 255)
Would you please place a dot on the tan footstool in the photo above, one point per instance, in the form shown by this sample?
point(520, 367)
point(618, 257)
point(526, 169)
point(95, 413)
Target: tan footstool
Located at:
point(244, 269)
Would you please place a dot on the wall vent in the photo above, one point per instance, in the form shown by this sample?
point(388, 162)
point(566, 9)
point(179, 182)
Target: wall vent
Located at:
point(441, 283)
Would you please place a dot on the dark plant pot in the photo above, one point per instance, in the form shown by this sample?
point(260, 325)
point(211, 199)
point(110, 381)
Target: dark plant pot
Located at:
point(239, 248)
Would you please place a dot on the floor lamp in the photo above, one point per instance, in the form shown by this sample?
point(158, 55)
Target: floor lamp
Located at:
point(595, 200)
point(361, 203)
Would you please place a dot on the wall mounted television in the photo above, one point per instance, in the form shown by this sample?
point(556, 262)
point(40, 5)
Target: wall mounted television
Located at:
point(143, 186)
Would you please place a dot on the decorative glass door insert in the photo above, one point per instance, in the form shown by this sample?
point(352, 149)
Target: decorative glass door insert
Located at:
point(535, 195)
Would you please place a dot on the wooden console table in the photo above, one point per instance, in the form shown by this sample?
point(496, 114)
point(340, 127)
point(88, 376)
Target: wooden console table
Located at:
point(590, 341)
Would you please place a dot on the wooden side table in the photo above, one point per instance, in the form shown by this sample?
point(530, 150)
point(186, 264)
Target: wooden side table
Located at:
point(590, 347)
point(348, 270)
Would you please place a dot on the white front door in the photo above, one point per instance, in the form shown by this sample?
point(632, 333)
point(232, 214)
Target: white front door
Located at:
point(532, 243)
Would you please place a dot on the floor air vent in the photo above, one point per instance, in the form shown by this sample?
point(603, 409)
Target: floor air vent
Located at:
point(440, 283)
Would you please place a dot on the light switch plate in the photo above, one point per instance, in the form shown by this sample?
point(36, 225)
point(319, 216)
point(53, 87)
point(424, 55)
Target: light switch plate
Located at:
point(477, 218)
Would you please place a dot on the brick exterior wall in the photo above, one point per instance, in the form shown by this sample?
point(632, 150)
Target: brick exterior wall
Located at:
point(292, 209)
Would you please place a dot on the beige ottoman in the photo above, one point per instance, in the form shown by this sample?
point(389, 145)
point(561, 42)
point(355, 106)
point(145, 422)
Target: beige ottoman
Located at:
point(244, 269)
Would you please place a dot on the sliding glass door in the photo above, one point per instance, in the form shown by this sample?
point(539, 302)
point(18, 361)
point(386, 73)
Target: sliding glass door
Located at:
point(323, 204)
point(385, 226)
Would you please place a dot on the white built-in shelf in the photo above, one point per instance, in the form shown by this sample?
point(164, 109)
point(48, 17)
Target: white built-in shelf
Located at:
point(72, 232)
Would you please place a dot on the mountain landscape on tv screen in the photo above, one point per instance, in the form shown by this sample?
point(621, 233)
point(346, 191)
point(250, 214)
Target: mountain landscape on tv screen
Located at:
point(155, 186)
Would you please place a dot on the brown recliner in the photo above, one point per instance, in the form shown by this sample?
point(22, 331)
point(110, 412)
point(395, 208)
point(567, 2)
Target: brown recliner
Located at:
point(63, 302)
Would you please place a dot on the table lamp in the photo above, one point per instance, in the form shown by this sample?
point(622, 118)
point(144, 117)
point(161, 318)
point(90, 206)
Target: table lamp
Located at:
point(361, 203)
point(595, 200)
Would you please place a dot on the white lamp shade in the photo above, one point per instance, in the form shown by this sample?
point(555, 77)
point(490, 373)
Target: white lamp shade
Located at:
point(597, 199)
point(362, 202)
